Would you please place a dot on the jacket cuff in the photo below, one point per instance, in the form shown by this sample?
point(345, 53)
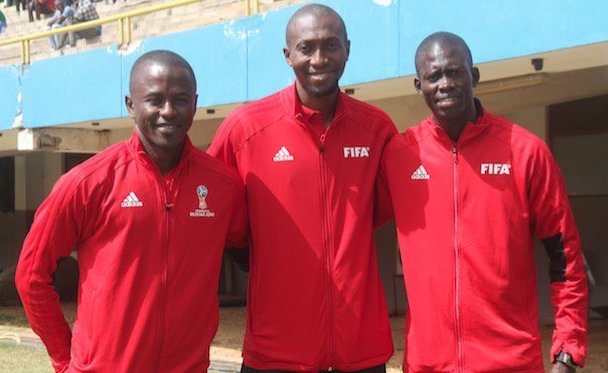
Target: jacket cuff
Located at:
point(578, 352)
point(60, 366)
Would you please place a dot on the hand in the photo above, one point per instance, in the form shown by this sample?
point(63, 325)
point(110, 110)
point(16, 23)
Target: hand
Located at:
point(561, 368)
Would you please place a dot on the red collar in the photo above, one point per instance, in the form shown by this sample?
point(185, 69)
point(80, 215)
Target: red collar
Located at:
point(294, 106)
point(470, 130)
point(134, 143)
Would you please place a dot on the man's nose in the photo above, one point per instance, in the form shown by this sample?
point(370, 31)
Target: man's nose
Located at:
point(319, 58)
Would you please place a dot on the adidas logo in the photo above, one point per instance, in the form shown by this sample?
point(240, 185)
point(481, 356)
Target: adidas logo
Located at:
point(282, 155)
point(131, 201)
point(420, 174)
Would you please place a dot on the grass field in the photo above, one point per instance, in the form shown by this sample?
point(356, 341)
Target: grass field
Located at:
point(23, 359)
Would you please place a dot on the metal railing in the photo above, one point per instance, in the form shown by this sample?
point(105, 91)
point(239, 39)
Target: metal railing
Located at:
point(124, 25)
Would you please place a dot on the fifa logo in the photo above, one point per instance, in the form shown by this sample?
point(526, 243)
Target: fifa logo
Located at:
point(201, 192)
point(495, 169)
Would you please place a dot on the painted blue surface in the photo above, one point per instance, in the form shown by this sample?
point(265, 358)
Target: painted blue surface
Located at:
point(242, 60)
point(497, 30)
point(9, 92)
point(74, 88)
point(216, 54)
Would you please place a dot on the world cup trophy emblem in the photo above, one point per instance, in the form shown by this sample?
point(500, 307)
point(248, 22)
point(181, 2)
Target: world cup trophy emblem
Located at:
point(201, 192)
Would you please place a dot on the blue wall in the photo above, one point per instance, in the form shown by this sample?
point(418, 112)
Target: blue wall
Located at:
point(242, 60)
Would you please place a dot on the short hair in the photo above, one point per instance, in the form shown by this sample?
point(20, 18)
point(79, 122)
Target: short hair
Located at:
point(316, 10)
point(442, 37)
point(164, 57)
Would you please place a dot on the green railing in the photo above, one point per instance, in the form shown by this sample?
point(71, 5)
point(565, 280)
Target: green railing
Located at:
point(123, 20)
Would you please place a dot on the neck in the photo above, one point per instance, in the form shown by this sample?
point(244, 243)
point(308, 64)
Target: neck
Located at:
point(326, 104)
point(455, 126)
point(165, 159)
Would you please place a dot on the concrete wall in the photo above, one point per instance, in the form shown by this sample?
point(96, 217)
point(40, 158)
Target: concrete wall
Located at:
point(35, 175)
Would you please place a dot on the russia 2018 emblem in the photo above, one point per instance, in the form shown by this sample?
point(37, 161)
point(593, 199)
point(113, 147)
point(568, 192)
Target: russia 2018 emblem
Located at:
point(202, 211)
point(201, 192)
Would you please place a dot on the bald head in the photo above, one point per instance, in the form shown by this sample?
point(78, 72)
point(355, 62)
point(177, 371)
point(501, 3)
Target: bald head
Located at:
point(162, 57)
point(316, 11)
point(443, 39)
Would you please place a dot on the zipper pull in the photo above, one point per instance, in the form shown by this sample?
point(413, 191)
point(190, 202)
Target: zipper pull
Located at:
point(455, 153)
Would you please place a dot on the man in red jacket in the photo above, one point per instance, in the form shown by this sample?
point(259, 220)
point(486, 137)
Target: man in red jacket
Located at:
point(470, 190)
point(148, 219)
point(309, 157)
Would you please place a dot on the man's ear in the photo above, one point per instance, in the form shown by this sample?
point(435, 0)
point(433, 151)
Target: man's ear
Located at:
point(287, 53)
point(129, 105)
point(347, 49)
point(475, 73)
point(417, 85)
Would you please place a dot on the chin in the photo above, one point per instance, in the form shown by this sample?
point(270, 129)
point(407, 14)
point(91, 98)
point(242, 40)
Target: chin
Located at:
point(322, 91)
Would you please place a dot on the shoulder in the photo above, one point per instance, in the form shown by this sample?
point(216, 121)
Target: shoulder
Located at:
point(249, 119)
point(517, 137)
point(100, 166)
point(257, 112)
point(366, 113)
point(218, 168)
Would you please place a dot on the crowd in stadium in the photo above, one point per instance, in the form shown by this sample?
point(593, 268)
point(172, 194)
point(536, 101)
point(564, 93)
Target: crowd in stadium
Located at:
point(58, 14)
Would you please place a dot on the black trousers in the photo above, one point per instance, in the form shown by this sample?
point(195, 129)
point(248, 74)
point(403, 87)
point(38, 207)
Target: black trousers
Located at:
point(376, 369)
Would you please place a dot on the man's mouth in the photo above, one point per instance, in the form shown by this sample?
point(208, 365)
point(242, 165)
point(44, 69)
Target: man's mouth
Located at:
point(447, 101)
point(321, 76)
point(167, 127)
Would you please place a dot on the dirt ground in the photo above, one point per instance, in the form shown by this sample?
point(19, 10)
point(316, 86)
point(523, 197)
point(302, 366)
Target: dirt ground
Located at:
point(228, 341)
point(226, 347)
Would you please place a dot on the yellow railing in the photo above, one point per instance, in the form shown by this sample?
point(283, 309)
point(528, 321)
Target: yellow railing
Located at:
point(124, 25)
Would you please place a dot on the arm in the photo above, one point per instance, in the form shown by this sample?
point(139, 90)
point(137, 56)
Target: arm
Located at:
point(222, 149)
point(54, 19)
point(67, 12)
point(554, 224)
point(383, 204)
point(236, 242)
point(53, 234)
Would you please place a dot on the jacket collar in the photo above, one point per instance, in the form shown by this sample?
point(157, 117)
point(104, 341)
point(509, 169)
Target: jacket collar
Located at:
point(137, 148)
point(294, 107)
point(470, 131)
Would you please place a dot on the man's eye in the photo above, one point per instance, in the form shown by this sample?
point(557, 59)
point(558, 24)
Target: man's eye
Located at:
point(182, 101)
point(332, 45)
point(305, 48)
point(432, 77)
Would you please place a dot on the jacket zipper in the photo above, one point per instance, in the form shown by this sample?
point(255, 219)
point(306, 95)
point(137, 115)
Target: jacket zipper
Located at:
point(327, 250)
point(457, 264)
point(166, 208)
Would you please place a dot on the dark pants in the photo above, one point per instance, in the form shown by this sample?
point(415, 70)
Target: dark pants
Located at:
point(376, 369)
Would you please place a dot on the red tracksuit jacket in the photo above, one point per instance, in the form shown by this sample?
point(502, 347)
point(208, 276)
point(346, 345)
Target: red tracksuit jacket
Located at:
point(315, 299)
point(467, 213)
point(149, 252)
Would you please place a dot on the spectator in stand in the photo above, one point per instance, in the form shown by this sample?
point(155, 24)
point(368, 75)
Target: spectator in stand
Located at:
point(45, 7)
point(22, 5)
point(2, 22)
point(85, 11)
point(62, 17)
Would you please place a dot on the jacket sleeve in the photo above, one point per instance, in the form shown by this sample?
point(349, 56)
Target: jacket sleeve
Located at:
point(221, 147)
point(383, 206)
point(238, 232)
point(54, 233)
point(554, 225)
